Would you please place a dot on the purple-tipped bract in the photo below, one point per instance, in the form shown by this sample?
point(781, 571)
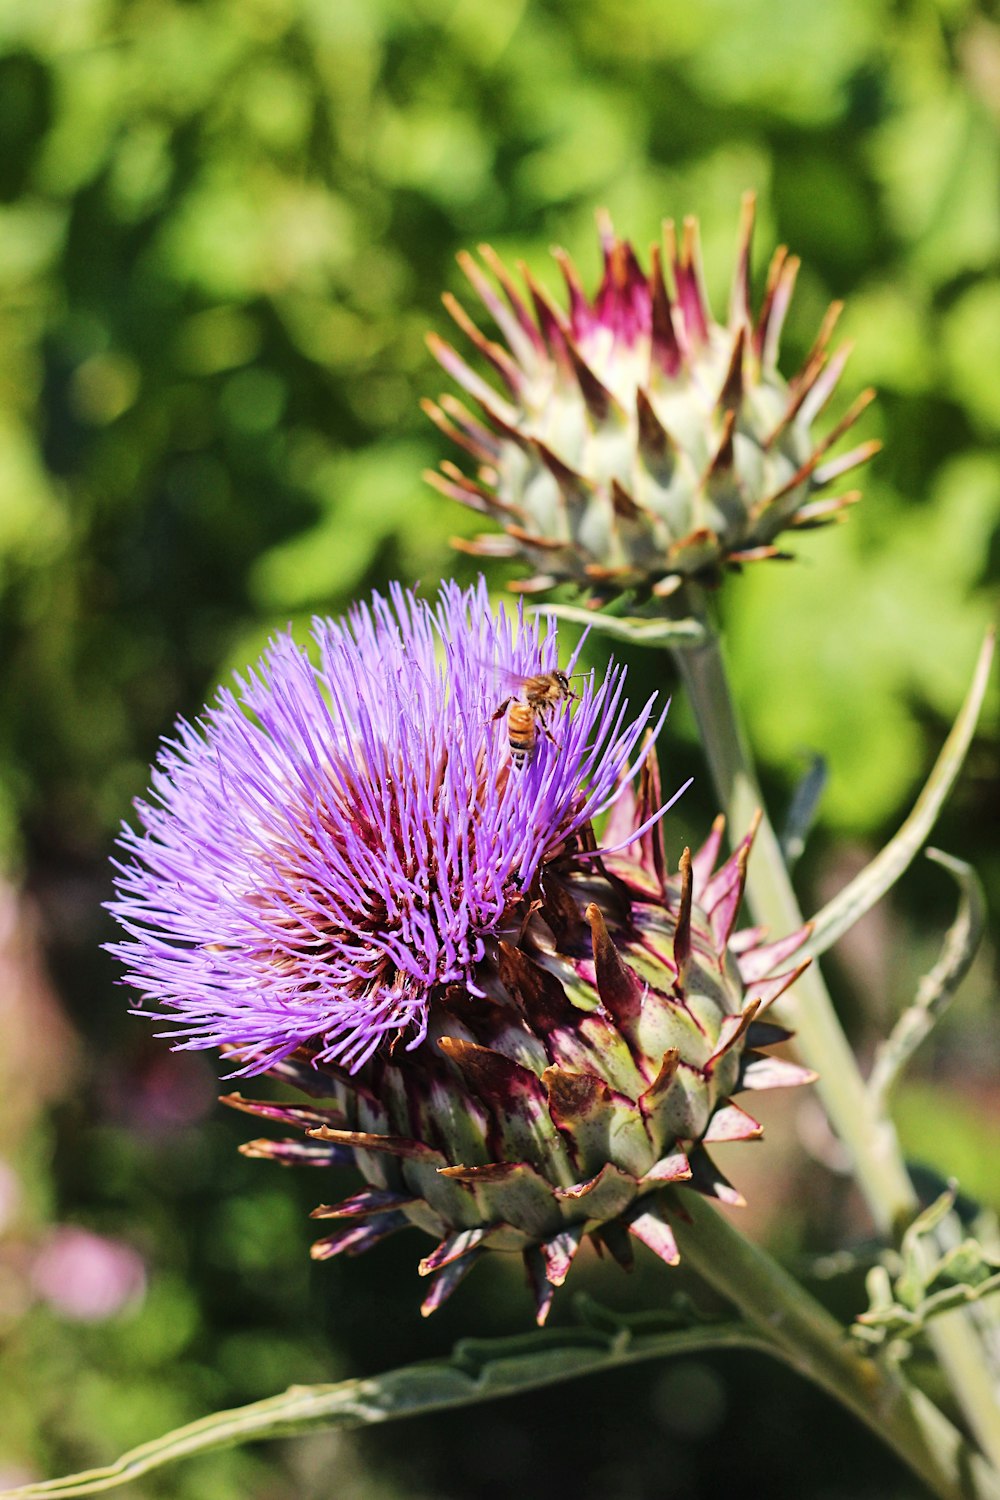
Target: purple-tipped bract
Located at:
point(630, 442)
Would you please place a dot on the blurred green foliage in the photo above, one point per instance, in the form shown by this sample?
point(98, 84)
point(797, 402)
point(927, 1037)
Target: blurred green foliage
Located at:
point(224, 226)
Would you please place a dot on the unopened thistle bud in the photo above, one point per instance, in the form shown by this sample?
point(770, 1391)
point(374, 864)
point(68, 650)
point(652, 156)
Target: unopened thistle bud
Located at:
point(637, 442)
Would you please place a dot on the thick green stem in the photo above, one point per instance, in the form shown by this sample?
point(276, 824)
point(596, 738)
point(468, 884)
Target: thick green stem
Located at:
point(812, 1342)
point(868, 1135)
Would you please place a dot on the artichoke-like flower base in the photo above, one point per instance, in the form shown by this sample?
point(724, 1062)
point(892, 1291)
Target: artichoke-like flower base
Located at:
point(637, 443)
point(594, 1072)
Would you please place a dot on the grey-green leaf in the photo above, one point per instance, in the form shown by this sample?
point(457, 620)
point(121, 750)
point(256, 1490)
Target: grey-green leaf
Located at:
point(803, 807)
point(840, 914)
point(926, 1283)
point(937, 987)
point(637, 630)
point(479, 1370)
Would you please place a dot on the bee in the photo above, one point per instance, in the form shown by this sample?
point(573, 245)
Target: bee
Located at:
point(527, 711)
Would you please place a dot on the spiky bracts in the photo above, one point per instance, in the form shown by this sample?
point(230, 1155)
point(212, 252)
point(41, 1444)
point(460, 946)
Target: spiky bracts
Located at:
point(596, 1070)
point(638, 442)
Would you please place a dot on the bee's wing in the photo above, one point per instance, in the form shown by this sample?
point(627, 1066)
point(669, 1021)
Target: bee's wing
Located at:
point(510, 681)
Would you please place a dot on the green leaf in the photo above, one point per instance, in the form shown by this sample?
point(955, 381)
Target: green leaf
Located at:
point(936, 989)
point(478, 1370)
point(840, 914)
point(926, 1284)
point(635, 629)
point(803, 808)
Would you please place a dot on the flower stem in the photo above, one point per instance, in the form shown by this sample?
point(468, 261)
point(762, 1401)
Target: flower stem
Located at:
point(812, 1342)
point(867, 1133)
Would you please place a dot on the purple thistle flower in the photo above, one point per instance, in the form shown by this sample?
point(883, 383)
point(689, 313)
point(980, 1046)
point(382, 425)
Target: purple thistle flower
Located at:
point(336, 844)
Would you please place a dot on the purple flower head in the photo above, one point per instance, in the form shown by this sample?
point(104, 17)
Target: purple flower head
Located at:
point(340, 841)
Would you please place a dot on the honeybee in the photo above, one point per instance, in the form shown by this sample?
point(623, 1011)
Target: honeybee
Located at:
point(528, 709)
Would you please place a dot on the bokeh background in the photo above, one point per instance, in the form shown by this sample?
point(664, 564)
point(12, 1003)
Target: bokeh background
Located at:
point(224, 228)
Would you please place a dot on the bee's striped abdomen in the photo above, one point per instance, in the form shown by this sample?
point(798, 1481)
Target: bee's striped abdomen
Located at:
point(522, 732)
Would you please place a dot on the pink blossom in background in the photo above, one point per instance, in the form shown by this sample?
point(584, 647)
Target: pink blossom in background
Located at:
point(85, 1277)
point(156, 1095)
point(14, 1475)
point(10, 1195)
